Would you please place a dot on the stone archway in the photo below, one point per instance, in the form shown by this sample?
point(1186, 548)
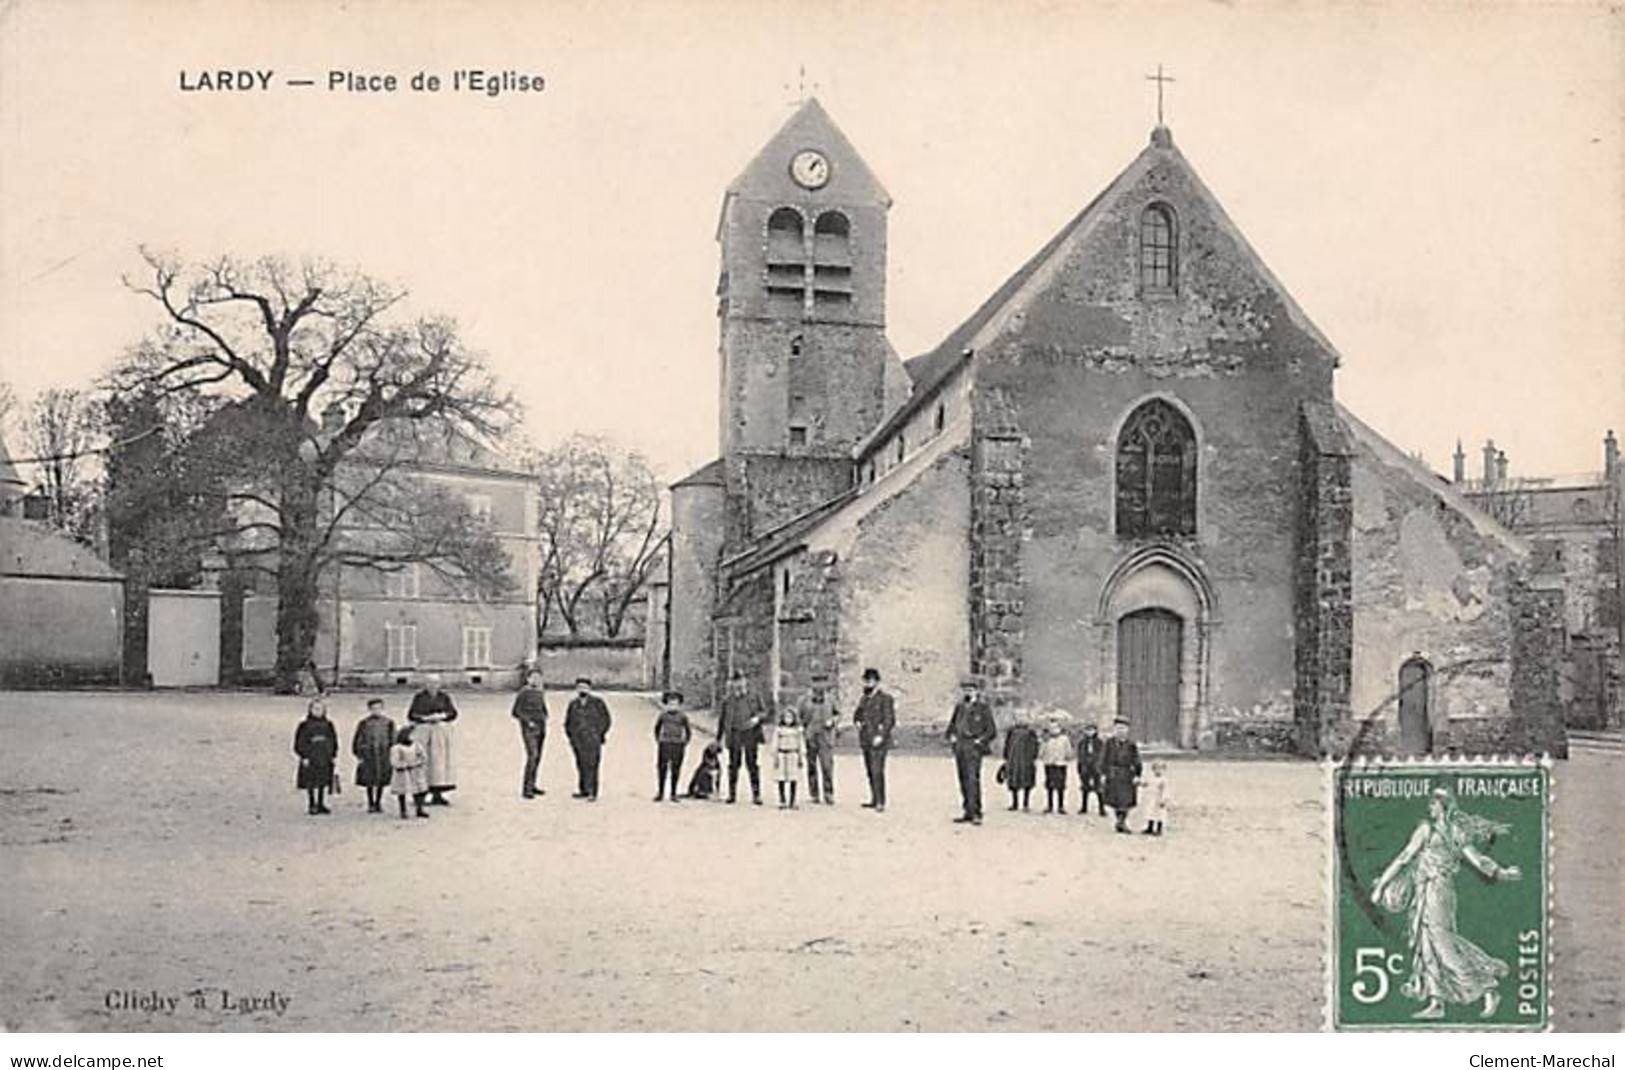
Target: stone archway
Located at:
point(1159, 601)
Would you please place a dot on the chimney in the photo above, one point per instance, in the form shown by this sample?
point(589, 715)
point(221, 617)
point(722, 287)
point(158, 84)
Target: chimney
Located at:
point(1489, 463)
point(1610, 456)
point(1500, 467)
point(333, 418)
point(1460, 472)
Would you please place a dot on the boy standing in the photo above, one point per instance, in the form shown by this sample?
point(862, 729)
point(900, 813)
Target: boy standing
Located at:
point(672, 733)
point(1089, 755)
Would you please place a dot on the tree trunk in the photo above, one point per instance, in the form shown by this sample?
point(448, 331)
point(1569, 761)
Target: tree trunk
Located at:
point(297, 578)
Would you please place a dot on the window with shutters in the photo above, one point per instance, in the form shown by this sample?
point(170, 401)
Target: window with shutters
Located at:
point(477, 646)
point(1156, 473)
point(401, 645)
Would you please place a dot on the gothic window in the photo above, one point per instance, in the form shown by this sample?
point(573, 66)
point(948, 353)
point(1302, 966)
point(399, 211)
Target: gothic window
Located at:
point(1157, 249)
point(786, 257)
point(1156, 473)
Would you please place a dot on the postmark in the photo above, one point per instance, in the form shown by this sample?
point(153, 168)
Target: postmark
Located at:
point(1440, 895)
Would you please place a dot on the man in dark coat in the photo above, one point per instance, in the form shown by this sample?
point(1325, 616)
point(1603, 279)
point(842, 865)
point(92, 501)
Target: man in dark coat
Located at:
point(740, 726)
point(1089, 755)
point(530, 710)
point(821, 722)
point(586, 725)
point(432, 708)
point(971, 731)
point(1120, 768)
point(875, 718)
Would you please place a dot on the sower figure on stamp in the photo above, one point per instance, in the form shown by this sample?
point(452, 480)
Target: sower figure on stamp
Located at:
point(1421, 882)
point(821, 721)
point(875, 718)
point(530, 710)
point(586, 725)
point(971, 732)
point(1120, 768)
point(741, 729)
point(1090, 747)
point(433, 711)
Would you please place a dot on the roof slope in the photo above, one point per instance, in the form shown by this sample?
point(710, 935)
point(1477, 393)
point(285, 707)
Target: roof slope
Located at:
point(29, 548)
point(810, 127)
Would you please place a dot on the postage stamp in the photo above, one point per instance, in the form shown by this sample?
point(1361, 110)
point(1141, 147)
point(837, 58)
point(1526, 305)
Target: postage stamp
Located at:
point(1439, 895)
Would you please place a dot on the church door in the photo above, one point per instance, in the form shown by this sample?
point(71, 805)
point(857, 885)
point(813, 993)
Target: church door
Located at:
point(1415, 734)
point(1148, 674)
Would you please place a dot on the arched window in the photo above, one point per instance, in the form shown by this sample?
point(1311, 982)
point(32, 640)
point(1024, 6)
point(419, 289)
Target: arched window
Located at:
point(1157, 248)
point(941, 417)
point(833, 224)
point(901, 448)
point(783, 222)
point(1156, 473)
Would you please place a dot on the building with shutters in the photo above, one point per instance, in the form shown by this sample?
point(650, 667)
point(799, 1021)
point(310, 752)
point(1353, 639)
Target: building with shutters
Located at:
point(1122, 486)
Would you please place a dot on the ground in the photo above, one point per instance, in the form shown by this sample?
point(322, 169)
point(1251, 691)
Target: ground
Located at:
point(155, 843)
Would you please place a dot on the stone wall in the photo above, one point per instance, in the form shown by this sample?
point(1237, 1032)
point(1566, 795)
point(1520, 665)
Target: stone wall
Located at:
point(809, 618)
point(698, 511)
point(998, 523)
point(1436, 580)
point(61, 632)
point(767, 490)
point(1324, 610)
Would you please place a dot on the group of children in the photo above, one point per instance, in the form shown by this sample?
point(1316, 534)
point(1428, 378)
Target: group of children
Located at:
point(1025, 750)
point(385, 758)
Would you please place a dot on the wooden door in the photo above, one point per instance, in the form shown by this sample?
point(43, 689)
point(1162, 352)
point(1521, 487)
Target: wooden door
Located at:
point(1148, 649)
point(1415, 734)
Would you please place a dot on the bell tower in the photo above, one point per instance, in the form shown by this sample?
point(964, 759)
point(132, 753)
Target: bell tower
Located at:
point(806, 370)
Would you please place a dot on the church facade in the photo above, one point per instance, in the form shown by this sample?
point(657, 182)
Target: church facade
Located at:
point(1123, 487)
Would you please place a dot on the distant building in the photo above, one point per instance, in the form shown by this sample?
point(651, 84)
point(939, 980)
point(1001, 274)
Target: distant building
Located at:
point(61, 607)
point(1574, 525)
point(386, 626)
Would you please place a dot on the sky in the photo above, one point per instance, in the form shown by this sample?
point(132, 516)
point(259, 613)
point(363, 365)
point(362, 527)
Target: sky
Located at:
point(1440, 187)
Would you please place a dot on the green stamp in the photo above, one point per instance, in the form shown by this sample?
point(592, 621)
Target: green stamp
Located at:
point(1439, 894)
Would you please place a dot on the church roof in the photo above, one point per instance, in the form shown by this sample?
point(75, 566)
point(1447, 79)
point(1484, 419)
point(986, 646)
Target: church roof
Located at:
point(707, 475)
point(931, 369)
point(810, 127)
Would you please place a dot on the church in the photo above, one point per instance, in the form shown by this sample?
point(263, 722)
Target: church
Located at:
point(1123, 486)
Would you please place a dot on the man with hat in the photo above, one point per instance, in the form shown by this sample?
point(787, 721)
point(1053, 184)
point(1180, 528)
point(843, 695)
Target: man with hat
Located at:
point(820, 721)
point(586, 725)
point(1120, 768)
point(875, 718)
point(740, 726)
point(971, 731)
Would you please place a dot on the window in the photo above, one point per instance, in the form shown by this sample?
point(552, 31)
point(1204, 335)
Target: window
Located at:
point(902, 450)
point(403, 582)
point(1156, 473)
point(477, 646)
point(480, 506)
point(798, 436)
point(1157, 247)
point(942, 416)
point(401, 646)
point(1548, 556)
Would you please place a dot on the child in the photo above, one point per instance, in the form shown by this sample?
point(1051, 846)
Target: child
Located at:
point(1020, 760)
point(1056, 754)
point(316, 742)
point(373, 736)
point(789, 746)
point(411, 777)
point(1156, 798)
point(672, 733)
point(704, 783)
point(1120, 773)
point(1089, 750)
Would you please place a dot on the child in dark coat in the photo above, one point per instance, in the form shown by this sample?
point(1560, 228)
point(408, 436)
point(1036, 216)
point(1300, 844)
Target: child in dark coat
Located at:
point(1020, 760)
point(672, 733)
point(1090, 747)
point(374, 735)
point(316, 742)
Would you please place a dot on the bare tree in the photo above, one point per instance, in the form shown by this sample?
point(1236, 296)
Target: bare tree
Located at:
point(601, 533)
point(325, 395)
point(1509, 501)
point(62, 429)
point(8, 401)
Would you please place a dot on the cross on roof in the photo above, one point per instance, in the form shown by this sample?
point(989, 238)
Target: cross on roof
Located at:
point(1159, 78)
point(802, 86)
